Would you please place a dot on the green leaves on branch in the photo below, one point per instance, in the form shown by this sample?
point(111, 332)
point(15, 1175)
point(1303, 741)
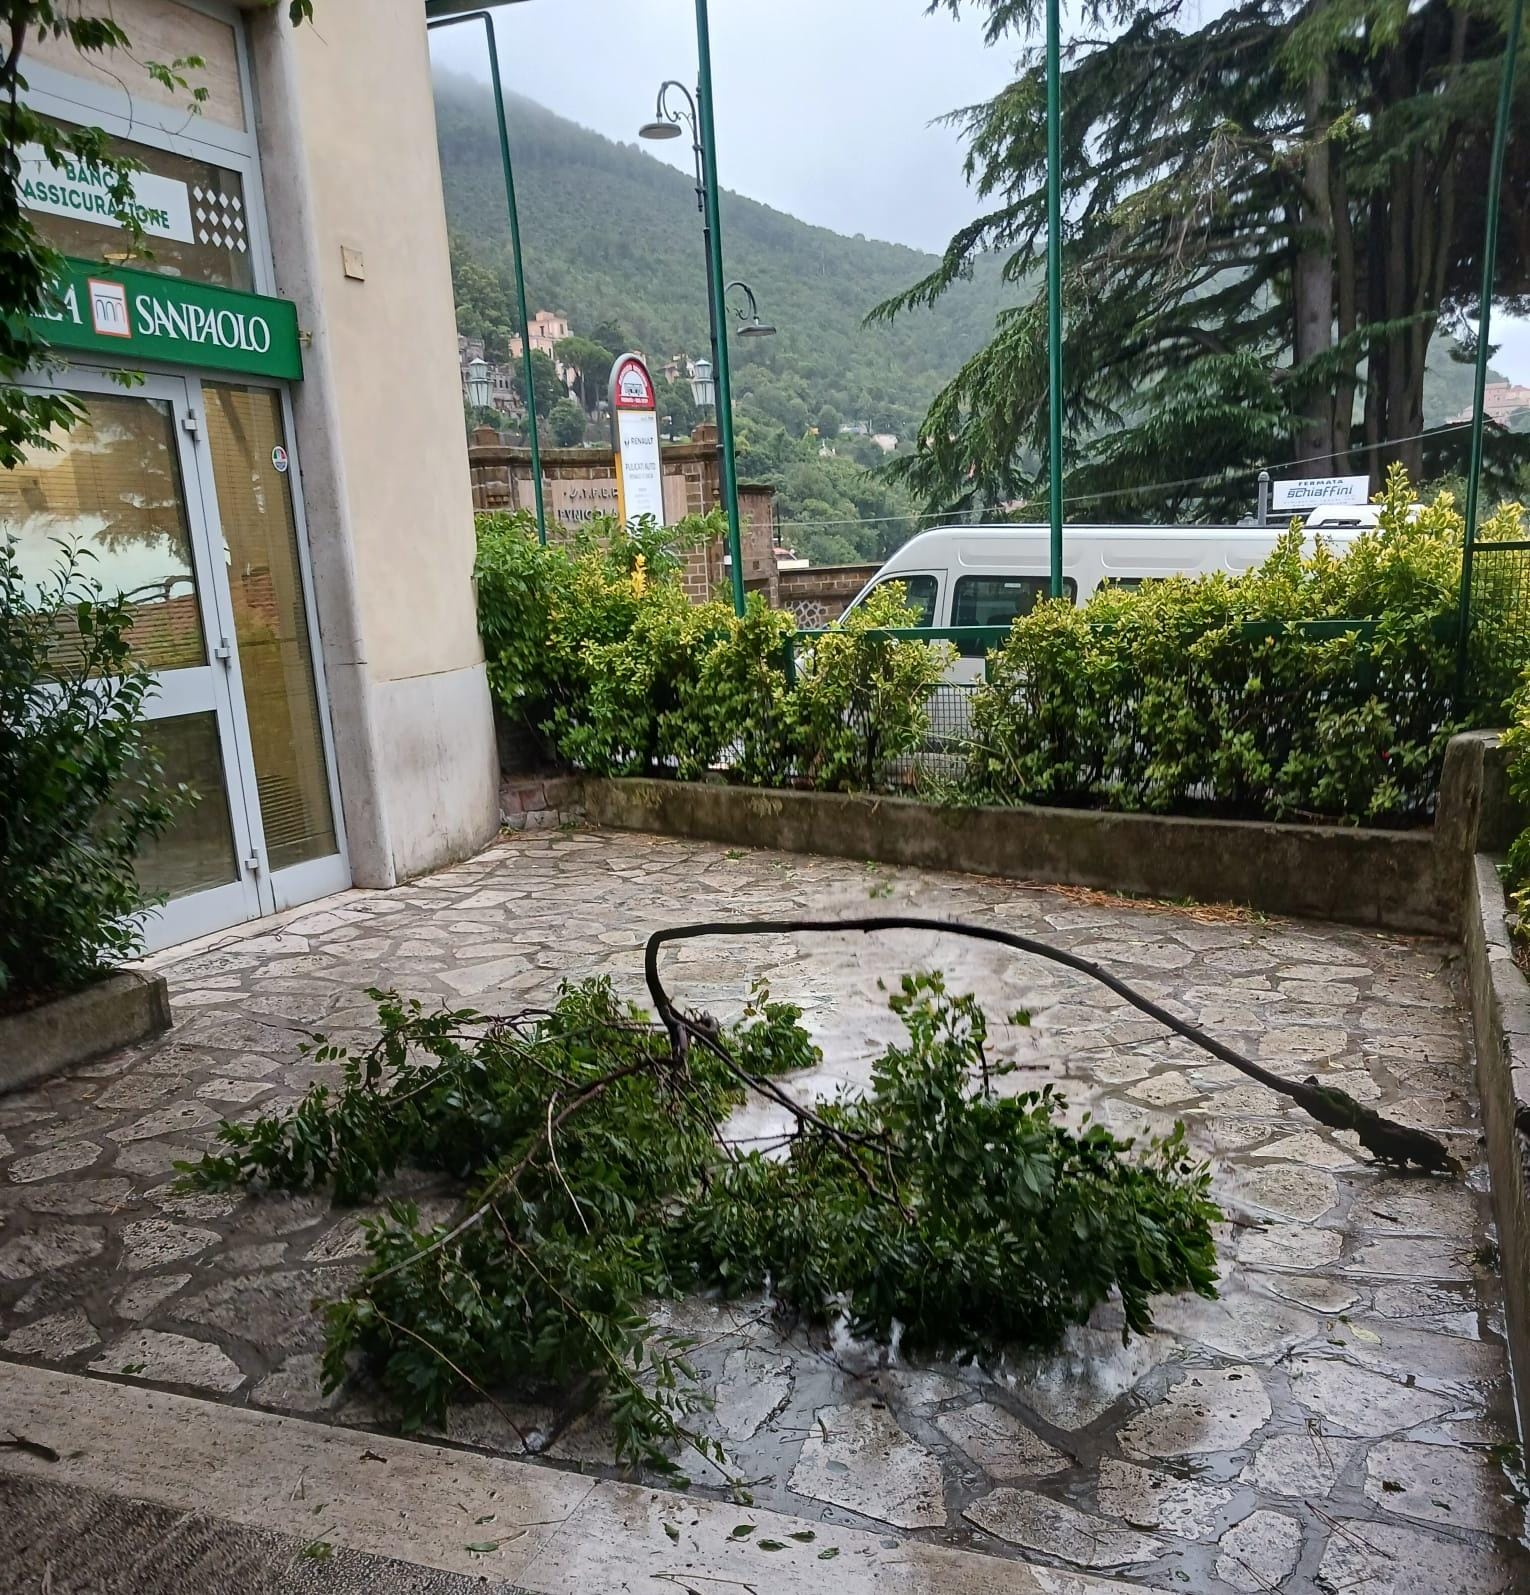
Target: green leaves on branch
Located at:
point(598, 1175)
point(989, 1225)
point(81, 788)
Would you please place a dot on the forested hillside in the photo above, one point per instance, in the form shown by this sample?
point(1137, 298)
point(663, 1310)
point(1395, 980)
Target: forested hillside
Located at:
point(612, 235)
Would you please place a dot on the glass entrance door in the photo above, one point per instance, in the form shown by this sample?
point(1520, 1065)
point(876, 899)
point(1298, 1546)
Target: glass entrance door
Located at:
point(164, 483)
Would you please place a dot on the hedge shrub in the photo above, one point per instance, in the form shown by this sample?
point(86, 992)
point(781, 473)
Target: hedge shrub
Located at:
point(1517, 870)
point(1192, 696)
point(595, 647)
point(1161, 699)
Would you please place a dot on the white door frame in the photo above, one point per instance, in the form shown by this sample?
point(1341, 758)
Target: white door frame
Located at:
point(298, 883)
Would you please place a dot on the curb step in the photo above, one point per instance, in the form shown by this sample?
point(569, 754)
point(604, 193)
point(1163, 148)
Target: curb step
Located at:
point(163, 1494)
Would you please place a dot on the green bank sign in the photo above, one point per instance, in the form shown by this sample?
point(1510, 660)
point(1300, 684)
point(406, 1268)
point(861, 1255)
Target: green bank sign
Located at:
point(139, 315)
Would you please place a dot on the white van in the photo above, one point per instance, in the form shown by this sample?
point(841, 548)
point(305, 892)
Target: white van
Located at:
point(986, 575)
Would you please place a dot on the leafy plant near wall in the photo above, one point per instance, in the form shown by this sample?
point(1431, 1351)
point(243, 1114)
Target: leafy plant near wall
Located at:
point(622, 675)
point(1517, 867)
point(81, 788)
point(597, 1175)
point(1163, 698)
point(29, 267)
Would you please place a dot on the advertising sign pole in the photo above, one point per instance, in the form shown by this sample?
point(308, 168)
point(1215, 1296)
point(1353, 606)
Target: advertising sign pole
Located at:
point(635, 436)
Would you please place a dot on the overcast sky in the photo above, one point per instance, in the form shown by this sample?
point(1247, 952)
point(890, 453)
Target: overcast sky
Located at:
point(824, 110)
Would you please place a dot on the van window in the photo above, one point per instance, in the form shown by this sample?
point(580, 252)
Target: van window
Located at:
point(997, 600)
point(1128, 584)
point(919, 591)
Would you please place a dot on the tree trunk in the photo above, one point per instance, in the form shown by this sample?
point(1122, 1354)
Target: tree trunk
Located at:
point(1346, 294)
point(1313, 286)
point(1376, 352)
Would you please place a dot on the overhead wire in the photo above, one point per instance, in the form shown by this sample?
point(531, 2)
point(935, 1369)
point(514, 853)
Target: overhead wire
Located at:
point(1220, 477)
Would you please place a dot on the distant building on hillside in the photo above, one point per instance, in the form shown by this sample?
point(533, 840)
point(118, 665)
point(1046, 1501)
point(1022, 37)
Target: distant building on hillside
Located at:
point(886, 441)
point(1501, 402)
point(547, 329)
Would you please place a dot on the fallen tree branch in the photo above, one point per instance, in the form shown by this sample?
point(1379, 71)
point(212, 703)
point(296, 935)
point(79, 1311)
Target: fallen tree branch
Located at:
point(1386, 1140)
point(507, 1181)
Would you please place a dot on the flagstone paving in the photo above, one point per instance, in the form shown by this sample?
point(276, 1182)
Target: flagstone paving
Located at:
point(1339, 1420)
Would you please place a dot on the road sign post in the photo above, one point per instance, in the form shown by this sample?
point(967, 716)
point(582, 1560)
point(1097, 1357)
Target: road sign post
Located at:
point(635, 436)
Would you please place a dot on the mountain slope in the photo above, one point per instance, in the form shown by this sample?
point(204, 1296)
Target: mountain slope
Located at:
point(609, 232)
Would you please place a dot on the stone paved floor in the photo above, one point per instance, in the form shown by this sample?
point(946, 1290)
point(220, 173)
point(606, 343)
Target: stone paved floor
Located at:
point(1338, 1421)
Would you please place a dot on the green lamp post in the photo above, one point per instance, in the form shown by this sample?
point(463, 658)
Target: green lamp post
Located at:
point(446, 14)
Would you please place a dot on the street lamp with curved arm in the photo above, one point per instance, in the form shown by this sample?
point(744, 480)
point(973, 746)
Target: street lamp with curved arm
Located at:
point(753, 327)
point(666, 124)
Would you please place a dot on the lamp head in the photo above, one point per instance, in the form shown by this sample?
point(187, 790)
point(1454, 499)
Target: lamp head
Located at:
point(659, 128)
point(757, 329)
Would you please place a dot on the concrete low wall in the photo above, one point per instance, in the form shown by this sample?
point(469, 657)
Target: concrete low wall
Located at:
point(115, 1012)
point(1388, 880)
point(1500, 1001)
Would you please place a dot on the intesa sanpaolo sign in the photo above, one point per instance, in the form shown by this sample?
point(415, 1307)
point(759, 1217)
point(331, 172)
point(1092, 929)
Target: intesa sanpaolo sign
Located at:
point(169, 320)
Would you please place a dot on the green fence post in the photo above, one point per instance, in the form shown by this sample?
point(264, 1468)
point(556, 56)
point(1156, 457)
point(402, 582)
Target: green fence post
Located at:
point(1484, 316)
point(1054, 294)
point(723, 374)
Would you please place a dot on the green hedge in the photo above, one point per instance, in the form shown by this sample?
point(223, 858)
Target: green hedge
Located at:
point(1207, 695)
point(594, 646)
point(1214, 695)
point(1517, 870)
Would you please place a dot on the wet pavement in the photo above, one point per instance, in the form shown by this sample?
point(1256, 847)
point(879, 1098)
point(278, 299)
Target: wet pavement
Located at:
point(1339, 1420)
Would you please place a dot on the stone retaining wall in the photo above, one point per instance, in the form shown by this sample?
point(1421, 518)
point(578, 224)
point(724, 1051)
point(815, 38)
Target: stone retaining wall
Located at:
point(1500, 1004)
point(540, 803)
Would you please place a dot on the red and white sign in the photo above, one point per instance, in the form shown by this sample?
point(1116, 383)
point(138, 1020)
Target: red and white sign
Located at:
point(631, 385)
point(639, 468)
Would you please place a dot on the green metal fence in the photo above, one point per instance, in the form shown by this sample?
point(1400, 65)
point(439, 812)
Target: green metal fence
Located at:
point(1494, 637)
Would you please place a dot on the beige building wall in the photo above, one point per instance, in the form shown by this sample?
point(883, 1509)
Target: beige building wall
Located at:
point(358, 231)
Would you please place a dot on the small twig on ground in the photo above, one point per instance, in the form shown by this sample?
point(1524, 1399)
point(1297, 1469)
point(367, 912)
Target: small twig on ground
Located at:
point(683, 1579)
